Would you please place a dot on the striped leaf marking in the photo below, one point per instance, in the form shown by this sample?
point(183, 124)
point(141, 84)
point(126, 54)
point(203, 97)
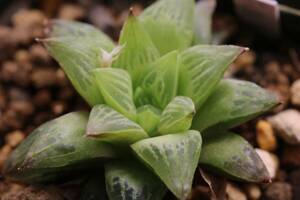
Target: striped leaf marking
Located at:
point(138, 52)
point(106, 124)
point(177, 116)
point(159, 86)
point(132, 181)
point(116, 88)
point(203, 67)
point(173, 158)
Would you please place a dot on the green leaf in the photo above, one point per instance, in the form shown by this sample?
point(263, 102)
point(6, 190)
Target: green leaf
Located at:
point(177, 116)
point(77, 48)
point(116, 88)
point(148, 117)
point(173, 158)
point(132, 181)
point(232, 103)
point(108, 125)
point(203, 67)
point(170, 23)
point(139, 50)
point(55, 149)
point(203, 21)
point(159, 86)
point(229, 154)
point(65, 28)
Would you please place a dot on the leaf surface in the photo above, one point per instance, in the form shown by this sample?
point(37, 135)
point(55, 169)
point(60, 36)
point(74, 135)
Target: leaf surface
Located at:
point(232, 103)
point(229, 154)
point(148, 117)
point(139, 50)
point(173, 158)
point(116, 88)
point(77, 48)
point(177, 116)
point(159, 86)
point(55, 147)
point(108, 125)
point(203, 67)
point(132, 181)
point(170, 24)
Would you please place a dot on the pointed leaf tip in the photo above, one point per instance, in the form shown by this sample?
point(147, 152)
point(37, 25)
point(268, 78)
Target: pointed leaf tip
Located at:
point(173, 158)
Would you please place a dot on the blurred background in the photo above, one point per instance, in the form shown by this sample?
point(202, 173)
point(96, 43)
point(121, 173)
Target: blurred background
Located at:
point(33, 89)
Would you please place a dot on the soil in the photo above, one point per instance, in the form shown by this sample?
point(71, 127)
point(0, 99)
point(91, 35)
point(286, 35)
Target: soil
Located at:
point(33, 89)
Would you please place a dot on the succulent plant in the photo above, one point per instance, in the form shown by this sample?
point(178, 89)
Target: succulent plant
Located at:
point(160, 109)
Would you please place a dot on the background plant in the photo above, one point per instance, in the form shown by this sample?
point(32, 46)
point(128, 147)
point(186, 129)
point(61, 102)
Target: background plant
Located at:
point(151, 97)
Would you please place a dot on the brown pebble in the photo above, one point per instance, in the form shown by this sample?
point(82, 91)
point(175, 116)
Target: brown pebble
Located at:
point(42, 98)
point(234, 193)
point(279, 191)
point(39, 53)
point(58, 107)
point(24, 108)
point(22, 57)
point(253, 191)
point(43, 77)
point(28, 18)
point(265, 137)
point(4, 153)
point(71, 12)
point(14, 138)
point(9, 70)
point(295, 93)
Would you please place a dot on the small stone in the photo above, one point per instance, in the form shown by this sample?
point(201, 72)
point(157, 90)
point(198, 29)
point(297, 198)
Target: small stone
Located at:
point(295, 93)
point(265, 136)
point(270, 160)
point(234, 193)
point(22, 56)
point(4, 153)
point(286, 124)
point(291, 156)
point(71, 12)
point(38, 52)
point(44, 77)
point(253, 191)
point(24, 108)
point(58, 107)
point(42, 98)
point(28, 18)
point(14, 138)
point(279, 191)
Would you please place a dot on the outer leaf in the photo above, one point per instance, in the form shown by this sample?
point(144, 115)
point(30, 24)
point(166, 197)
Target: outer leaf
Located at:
point(173, 158)
point(65, 28)
point(233, 102)
point(203, 67)
point(203, 21)
point(108, 125)
point(139, 50)
point(159, 86)
point(116, 88)
point(230, 154)
point(132, 181)
point(56, 148)
point(77, 48)
point(177, 116)
point(170, 23)
point(148, 117)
